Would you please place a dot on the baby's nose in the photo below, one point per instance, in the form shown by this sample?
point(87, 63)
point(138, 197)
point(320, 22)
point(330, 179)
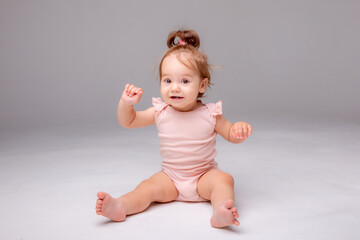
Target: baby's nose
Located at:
point(175, 87)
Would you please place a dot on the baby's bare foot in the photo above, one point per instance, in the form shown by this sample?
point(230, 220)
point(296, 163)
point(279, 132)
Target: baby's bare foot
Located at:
point(110, 207)
point(225, 215)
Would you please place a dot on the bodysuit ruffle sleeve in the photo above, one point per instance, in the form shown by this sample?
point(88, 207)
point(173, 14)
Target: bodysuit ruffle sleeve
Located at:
point(215, 108)
point(158, 104)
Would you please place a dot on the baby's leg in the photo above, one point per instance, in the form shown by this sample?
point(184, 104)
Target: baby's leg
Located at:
point(158, 188)
point(218, 187)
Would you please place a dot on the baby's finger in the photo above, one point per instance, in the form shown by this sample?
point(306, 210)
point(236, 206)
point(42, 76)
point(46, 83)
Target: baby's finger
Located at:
point(243, 133)
point(138, 90)
point(139, 93)
point(245, 130)
point(250, 129)
point(133, 90)
point(130, 88)
point(238, 134)
point(126, 88)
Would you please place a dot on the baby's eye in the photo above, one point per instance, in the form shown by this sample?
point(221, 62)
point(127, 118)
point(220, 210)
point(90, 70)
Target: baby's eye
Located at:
point(167, 80)
point(185, 81)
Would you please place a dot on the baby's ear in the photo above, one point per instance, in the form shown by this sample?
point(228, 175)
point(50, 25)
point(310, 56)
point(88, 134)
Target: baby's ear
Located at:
point(203, 85)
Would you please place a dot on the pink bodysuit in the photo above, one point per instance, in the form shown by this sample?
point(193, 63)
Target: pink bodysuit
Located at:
point(187, 144)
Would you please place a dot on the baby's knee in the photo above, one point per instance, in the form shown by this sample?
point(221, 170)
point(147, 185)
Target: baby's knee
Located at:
point(227, 178)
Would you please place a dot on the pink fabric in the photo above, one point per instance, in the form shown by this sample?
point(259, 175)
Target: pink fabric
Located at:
point(187, 144)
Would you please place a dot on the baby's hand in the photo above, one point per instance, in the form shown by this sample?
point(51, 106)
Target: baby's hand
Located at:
point(241, 130)
point(131, 94)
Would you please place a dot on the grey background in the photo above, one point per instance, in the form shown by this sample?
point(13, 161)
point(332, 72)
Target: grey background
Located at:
point(66, 62)
point(290, 68)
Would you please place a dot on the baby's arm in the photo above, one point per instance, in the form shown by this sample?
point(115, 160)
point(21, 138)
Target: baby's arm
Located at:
point(235, 133)
point(127, 116)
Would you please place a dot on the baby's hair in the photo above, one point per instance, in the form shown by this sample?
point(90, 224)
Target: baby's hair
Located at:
point(185, 45)
point(188, 36)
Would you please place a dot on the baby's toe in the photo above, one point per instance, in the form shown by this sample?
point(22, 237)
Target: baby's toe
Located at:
point(101, 195)
point(235, 212)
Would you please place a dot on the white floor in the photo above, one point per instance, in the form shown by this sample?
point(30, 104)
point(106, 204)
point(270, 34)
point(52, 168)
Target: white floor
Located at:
point(293, 181)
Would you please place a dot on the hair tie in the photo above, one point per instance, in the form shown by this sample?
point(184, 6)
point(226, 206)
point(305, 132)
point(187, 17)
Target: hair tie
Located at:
point(182, 43)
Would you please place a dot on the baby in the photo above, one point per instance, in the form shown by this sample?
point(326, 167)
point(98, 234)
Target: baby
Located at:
point(187, 131)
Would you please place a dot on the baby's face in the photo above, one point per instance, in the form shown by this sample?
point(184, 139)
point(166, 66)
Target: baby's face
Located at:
point(180, 85)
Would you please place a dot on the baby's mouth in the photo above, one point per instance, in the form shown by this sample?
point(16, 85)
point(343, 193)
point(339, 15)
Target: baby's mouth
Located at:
point(176, 97)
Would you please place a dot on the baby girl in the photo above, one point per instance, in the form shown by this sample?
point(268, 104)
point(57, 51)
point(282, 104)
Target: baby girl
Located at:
point(187, 131)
